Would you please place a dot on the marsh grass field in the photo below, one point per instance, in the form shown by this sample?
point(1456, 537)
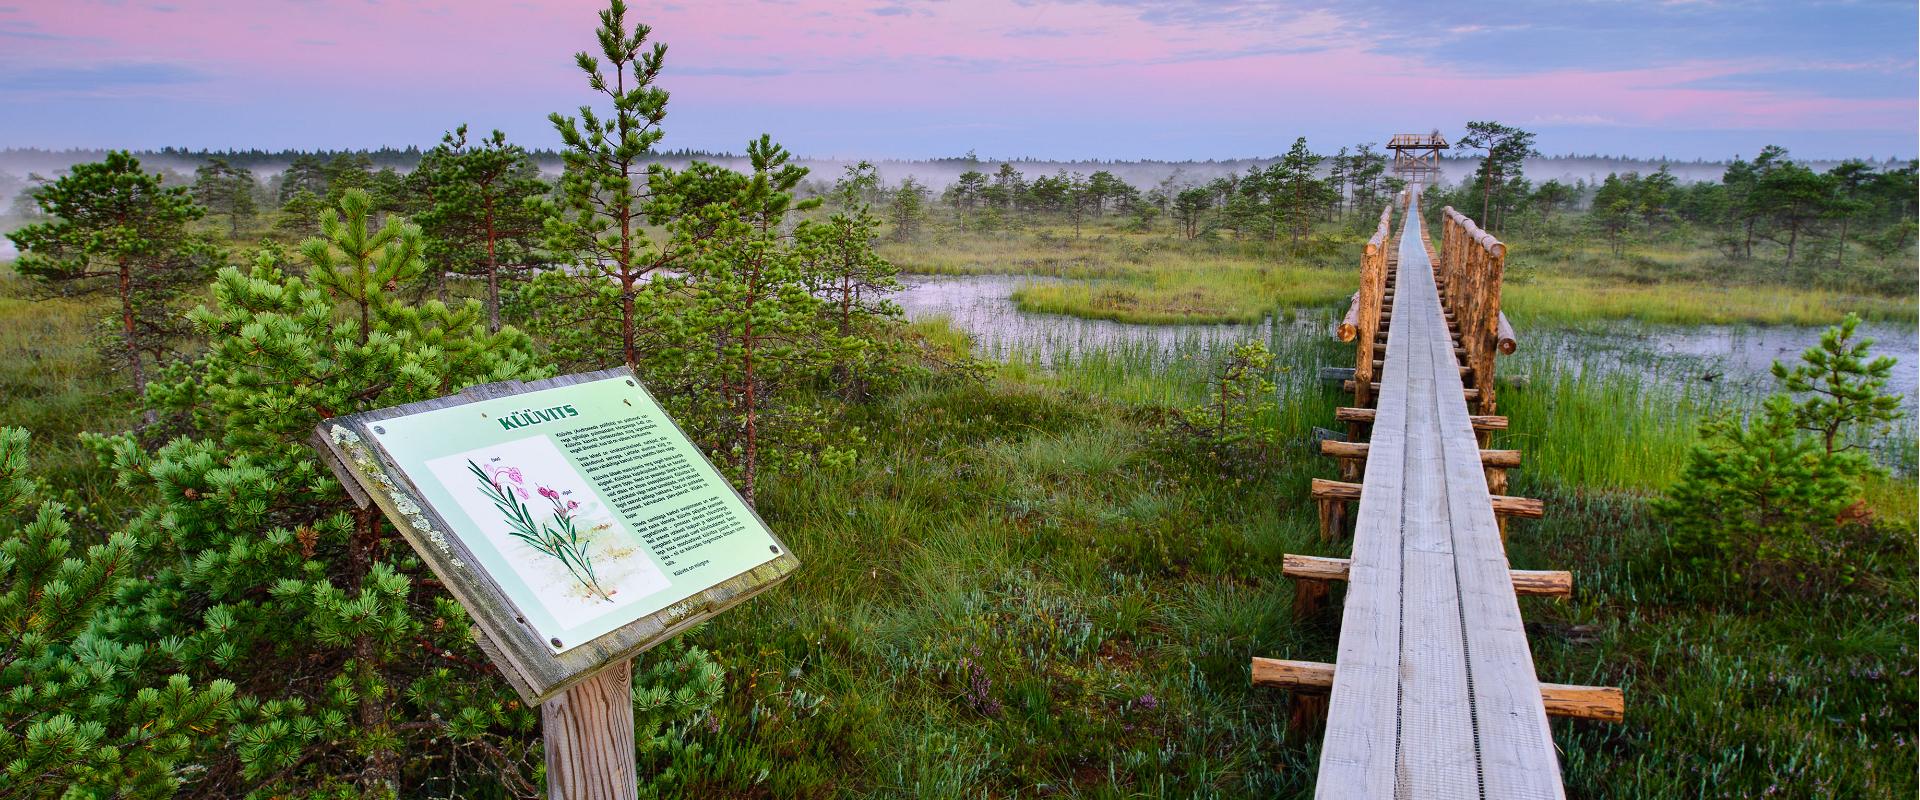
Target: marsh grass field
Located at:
point(1026, 588)
point(1151, 277)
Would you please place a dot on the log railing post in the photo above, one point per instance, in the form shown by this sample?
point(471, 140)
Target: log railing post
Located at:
point(1489, 322)
point(1373, 277)
point(1370, 285)
point(1473, 264)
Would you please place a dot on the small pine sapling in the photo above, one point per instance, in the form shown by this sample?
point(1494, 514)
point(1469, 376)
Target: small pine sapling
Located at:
point(1762, 501)
point(79, 716)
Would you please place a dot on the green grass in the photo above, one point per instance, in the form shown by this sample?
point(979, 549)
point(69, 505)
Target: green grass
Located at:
point(1559, 277)
point(1601, 430)
point(1563, 273)
point(1572, 299)
point(1021, 591)
point(54, 382)
point(1207, 293)
point(1016, 595)
point(1803, 697)
point(1136, 277)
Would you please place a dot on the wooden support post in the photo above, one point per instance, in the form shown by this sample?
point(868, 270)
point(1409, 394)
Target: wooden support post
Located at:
point(589, 738)
point(1526, 582)
point(1309, 597)
point(1497, 484)
point(1332, 516)
point(1368, 316)
point(1599, 703)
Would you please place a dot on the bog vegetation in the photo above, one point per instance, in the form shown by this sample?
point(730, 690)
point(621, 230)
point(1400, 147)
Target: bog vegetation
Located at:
point(1021, 578)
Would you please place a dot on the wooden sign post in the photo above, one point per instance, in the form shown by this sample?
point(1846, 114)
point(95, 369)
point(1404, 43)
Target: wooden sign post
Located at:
point(578, 526)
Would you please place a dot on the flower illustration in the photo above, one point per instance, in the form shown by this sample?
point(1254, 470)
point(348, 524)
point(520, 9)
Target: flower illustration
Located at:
point(512, 476)
point(558, 538)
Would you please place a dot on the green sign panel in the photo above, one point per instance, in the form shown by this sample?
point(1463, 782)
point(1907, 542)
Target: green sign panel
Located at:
point(584, 502)
point(565, 514)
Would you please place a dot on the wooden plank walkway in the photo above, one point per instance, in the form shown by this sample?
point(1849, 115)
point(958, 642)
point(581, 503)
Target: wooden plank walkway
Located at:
point(1435, 694)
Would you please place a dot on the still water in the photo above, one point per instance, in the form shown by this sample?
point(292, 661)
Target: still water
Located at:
point(1730, 358)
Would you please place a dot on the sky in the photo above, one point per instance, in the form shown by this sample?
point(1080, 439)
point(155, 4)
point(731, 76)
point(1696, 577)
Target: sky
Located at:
point(1109, 79)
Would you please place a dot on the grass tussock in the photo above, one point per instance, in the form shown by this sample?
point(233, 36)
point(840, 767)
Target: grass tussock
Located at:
point(1561, 277)
point(54, 382)
point(1129, 276)
point(1205, 293)
point(1574, 299)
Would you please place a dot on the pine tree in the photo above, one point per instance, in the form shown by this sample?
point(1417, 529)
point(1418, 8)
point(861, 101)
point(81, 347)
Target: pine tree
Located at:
point(1297, 193)
point(300, 215)
point(970, 189)
point(76, 717)
point(1507, 149)
point(852, 282)
point(604, 210)
point(1190, 207)
point(907, 209)
point(482, 215)
point(1790, 199)
point(349, 661)
point(305, 173)
point(226, 189)
point(1841, 386)
point(858, 186)
point(115, 229)
point(1761, 501)
point(750, 301)
point(1756, 498)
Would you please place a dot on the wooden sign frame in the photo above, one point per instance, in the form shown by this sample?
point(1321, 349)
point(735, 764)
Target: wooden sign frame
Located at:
point(372, 476)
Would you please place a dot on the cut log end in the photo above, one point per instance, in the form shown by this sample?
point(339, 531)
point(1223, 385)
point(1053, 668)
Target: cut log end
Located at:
point(1598, 703)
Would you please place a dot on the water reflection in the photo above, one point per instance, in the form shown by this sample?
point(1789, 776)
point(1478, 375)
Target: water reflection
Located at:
point(1732, 359)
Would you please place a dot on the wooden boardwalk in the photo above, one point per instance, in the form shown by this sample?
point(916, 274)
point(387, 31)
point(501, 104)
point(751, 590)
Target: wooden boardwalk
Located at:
point(1434, 693)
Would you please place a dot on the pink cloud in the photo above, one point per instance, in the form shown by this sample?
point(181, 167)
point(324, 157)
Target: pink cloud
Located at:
point(990, 61)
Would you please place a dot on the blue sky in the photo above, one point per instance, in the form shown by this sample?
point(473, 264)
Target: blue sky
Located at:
point(1102, 78)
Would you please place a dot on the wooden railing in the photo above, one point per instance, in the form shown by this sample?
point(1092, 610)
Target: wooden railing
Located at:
point(1472, 264)
point(1434, 693)
point(1363, 313)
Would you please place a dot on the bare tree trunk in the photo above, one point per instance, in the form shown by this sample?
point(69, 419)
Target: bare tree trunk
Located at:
point(380, 769)
point(1840, 258)
point(136, 368)
point(1486, 194)
point(749, 399)
point(627, 291)
point(493, 276)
